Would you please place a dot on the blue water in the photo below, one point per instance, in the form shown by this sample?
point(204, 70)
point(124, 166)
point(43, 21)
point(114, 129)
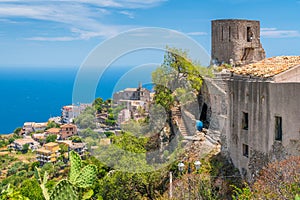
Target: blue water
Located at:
point(33, 94)
point(37, 93)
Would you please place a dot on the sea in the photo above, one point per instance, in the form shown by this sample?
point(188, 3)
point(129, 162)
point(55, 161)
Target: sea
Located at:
point(34, 94)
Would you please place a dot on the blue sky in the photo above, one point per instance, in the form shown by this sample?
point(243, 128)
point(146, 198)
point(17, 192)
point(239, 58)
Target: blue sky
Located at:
point(63, 32)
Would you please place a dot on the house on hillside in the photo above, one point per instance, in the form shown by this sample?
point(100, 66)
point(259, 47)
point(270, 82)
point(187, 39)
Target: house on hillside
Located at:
point(39, 126)
point(39, 137)
point(67, 130)
point(79, 148)
point(134, 94)
point(135, 100)
point(30, 127)
point(70, 112)
point(56, 120)
point(123, 116)
point(48, 153)
point(53, 131)
point(27, 127)
point(264, 114)
point(18, 144)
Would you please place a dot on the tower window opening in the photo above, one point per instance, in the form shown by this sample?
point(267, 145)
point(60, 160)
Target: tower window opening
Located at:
point(278, 128)
point(222, 38)
point(245, 150)
point(249, 34)
point(229, 33)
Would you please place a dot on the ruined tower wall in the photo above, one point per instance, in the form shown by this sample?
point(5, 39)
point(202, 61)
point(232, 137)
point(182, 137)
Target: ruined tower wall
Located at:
point(238, 40)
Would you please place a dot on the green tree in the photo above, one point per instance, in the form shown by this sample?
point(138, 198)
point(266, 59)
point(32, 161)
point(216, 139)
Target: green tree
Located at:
point(98, 104)
point(51, 138)
point(86, 119)
point(108, 102)
point(163, 96)
point(30, 188)
point(11, 140)
point(25, 148)
point(125, 185)
point(18, 130)
point(109, 134)
point(89, 133)
point(52, 124)
point(49, 168)
point(170, 75)
point(76, 139)
point(63, 148)
point(110, 122)
point(126, 154)
point(9, 193)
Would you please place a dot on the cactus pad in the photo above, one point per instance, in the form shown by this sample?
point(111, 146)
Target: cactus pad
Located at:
point(63, 191)
point(86, 177)
point(75, 161)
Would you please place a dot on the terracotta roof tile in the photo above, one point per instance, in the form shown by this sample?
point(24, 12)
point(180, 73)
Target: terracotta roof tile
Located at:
point(268, 67)
point(51, 144)
point(53, 130)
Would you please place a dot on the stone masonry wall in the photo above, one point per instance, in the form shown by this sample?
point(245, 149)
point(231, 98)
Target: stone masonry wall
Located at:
point(238, 40)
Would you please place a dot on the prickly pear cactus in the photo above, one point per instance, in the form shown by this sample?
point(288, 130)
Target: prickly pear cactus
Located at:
point(79, 178)
point(63, 191)
point(75, 162)
point(84, 177)
point(42, 182)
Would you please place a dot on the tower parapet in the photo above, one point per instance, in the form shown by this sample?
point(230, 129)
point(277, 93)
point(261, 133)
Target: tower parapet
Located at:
point(236, 41)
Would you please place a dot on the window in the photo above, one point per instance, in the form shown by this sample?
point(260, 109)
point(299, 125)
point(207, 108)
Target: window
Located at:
point(278, 128)
point(249, 34)
point(245, 121)
point(222, 33)
point(245, 150)
point(229, 33)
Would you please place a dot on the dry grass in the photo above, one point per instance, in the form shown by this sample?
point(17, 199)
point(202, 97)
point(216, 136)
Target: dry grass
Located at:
point(27, 158)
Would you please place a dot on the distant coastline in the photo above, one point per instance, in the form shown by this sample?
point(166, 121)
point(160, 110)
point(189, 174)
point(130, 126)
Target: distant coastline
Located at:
point(36, 94)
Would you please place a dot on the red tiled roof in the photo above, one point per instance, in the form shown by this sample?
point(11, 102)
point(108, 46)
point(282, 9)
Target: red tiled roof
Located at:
point(68, 125)
point(268, 67)
point(53, 130)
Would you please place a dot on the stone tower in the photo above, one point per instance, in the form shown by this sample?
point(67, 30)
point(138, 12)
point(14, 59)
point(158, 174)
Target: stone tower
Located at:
point(236, 41)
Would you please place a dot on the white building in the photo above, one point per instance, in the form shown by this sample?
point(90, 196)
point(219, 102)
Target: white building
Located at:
point(28, 127)
point(39, 126)
point(18, 144)
point(124, 116)
point(71, 111)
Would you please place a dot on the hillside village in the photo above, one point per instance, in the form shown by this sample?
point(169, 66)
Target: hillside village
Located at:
point(134, 104)
point(248, 111)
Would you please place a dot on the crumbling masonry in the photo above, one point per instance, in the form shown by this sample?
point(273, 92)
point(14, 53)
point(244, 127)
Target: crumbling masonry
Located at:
point(236, 42)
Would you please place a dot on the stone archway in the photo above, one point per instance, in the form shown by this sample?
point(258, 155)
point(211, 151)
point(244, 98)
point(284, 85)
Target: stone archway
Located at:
point(204, 106)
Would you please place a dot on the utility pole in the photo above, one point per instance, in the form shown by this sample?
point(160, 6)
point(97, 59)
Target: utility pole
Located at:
point(171, 185)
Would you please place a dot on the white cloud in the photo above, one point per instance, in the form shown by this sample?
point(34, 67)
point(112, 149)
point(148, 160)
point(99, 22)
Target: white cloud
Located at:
point(127, 4)
point(196, 33)
point(78, 34)
point(268, 29)
point(84, 17)
point(128, 14)
point(8, 21)
point(275, 33)
point(52, 39)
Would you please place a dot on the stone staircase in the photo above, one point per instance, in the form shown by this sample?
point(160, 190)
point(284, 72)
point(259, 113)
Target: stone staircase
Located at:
point(177, 117)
